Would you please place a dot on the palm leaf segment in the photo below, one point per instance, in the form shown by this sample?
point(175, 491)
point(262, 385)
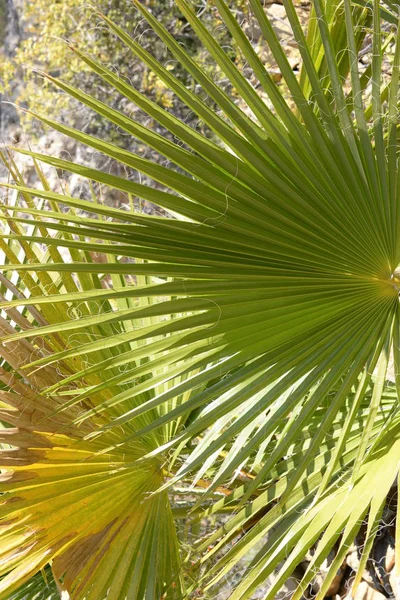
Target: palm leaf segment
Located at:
point(260, 321)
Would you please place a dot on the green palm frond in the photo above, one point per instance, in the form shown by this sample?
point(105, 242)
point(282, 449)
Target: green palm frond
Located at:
point(239, 341)
point(40, 587)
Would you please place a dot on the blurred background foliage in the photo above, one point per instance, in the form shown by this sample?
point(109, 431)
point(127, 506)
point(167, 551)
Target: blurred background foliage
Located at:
point(3, 12)
point(47, 24)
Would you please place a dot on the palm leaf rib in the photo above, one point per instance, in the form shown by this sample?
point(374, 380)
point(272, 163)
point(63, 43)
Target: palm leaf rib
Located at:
point(237, 344)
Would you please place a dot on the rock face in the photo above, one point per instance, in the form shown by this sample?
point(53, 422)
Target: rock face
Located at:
point(365, 592)
point(13, 33)
point(379, 579)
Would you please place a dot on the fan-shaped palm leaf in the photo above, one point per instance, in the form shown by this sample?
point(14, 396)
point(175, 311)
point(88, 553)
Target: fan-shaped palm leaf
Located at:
point(259, 322)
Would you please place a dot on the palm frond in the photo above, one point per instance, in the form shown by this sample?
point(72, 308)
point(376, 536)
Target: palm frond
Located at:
point(245, 342)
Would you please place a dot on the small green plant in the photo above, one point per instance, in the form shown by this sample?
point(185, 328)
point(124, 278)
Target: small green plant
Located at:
point(235, 350)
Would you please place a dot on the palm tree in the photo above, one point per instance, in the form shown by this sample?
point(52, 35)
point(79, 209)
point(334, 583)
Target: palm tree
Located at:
point(229, 363)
